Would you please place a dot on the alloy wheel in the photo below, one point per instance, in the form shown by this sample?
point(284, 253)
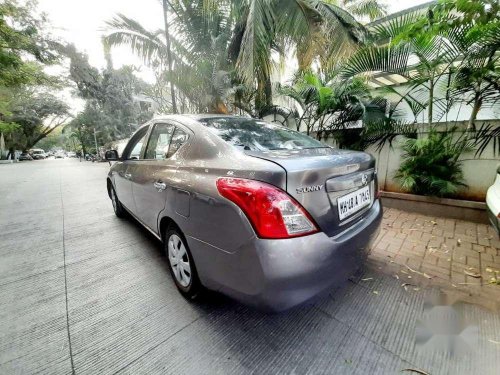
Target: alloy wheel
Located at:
point(179, 260)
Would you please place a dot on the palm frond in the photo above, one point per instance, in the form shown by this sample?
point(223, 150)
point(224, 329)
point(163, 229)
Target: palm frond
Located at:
point(388, 59)
point(255, 53)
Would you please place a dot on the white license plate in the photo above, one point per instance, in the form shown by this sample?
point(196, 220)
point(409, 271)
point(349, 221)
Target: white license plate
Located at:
point(353, 202)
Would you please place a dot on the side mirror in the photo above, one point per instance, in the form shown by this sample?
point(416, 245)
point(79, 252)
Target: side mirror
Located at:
point(111, 155)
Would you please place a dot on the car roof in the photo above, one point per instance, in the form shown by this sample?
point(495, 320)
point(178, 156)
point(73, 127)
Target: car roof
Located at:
point(195, 117)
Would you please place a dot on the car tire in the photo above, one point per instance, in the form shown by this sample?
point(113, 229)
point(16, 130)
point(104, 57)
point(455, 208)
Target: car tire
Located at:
point(181, 263)
point(117, 206)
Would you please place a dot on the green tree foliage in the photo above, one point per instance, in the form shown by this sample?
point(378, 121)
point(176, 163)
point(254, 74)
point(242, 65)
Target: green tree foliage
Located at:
point(201, 69)
point(21, 36)
point(25, 49)
point(111, 97)
point(34, 115)
point(451, 49)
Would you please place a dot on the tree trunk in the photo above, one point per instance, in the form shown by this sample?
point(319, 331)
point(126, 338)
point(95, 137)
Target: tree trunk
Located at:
point(264, 96)
point(475, 110)
point(430, 108)
point(11, 153)
point(259, 96)
point(268, 89)
point(169, 56)
point(220, 107)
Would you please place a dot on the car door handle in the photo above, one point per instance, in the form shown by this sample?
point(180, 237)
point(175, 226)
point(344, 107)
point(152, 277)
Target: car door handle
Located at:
point(128, 176)
point(160, 185)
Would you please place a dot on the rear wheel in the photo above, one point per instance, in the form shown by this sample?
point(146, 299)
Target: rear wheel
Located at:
point(181, 264)
point(117, 206)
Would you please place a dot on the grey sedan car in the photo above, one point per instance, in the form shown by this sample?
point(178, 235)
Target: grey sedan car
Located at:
point(259, 212)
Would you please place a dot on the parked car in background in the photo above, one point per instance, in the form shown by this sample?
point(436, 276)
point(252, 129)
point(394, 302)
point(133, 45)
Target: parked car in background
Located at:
point(38, 154)
point(493, 202)
point(25, 156)
point(260, 212)
point(60, 155)
point(71, 154)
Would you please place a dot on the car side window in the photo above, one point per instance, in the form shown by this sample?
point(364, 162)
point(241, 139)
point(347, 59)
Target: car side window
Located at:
point(159, 142)
point(179, 138)
point(133, 149)
point(135, 154)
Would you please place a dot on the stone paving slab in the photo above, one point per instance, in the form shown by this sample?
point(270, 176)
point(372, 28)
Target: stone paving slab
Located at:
point(457, 256)
point(84, 292)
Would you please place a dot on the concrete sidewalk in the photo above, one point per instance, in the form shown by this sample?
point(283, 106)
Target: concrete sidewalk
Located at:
point(84, 292)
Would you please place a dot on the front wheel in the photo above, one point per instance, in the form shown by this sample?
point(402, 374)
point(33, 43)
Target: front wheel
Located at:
point(181, 264)
point(117, 206)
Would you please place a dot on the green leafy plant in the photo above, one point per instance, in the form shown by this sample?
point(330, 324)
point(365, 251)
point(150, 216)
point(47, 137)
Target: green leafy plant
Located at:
point(431, 165)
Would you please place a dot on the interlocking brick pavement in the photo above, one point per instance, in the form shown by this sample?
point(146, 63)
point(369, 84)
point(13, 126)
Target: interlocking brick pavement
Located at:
point(455, 255)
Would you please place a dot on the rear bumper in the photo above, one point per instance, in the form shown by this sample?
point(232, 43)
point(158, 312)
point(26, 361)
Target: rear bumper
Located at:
point(279, 274)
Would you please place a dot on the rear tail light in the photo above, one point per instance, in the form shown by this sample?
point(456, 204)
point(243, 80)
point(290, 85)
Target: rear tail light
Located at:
point(270, 210)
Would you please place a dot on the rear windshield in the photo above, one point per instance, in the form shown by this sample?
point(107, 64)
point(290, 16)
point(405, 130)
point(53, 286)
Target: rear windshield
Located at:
point(255, 135)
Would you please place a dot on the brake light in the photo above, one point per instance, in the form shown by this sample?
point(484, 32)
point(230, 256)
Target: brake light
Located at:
point(271, 211)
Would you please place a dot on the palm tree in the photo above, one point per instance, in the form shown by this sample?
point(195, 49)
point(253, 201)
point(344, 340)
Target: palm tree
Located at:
point(210, 38)
point(445, 49)
point(329, 103)
point(314, 29)
point(198, 51)
point(169, 54)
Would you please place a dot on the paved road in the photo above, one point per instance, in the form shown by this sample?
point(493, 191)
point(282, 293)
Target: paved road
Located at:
point(84, 292)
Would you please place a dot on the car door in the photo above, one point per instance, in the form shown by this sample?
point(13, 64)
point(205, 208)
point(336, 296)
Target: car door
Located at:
point(152, 184)
point(125, 171)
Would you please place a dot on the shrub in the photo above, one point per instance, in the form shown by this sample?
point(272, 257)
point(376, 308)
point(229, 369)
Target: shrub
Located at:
point(430, 165)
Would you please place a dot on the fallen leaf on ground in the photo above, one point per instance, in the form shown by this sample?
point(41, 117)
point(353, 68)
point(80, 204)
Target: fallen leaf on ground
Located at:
point(433, 222)
point(367, 279)
point(473, 274)
point(375, 292)
point(397, 277)
point(416, 371)
point(494, 342)
point(489, 270)
point(417, 272)
point(459, 242)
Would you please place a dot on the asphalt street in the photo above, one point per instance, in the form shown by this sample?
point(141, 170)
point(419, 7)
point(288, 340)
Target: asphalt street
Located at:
point(84, 292)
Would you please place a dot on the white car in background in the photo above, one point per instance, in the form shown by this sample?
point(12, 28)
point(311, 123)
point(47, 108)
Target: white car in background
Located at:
point(493, 202)
point(38, 154)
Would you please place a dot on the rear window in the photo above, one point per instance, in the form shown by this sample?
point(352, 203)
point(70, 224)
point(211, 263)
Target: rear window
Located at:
point(256, 135)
